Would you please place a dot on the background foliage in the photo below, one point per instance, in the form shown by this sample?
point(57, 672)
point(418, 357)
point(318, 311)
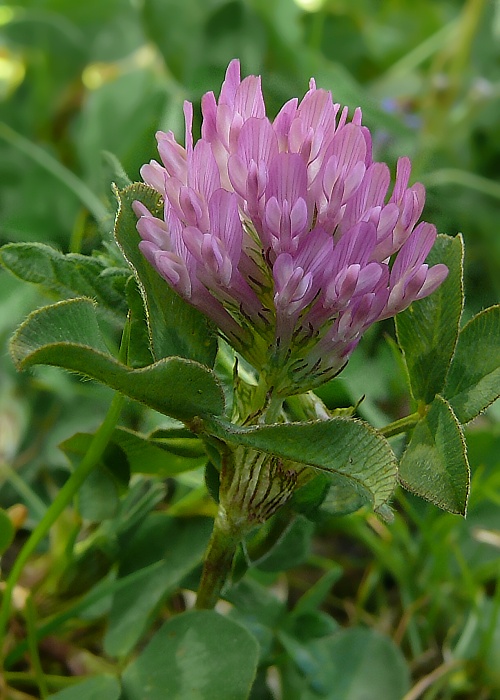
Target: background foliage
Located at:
point(413, 606)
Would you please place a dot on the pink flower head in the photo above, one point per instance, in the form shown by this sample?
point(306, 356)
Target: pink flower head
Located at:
point(283, 232)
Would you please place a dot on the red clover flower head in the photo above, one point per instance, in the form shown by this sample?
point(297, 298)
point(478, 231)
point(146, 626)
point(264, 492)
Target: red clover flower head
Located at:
point(283, 233)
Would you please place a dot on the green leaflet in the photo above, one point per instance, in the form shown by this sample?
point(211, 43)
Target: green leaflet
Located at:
point(183, 661)
point(68, 275)
point(67, 335)
point(473, 382)
point(428, 330)
point(434, 465)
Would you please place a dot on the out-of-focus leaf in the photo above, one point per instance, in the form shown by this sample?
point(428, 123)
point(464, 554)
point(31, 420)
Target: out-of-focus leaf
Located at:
point(352, 664)
point(181, 56)
point(291, 549)
point(102, 687)
point(176, 328)
point(119, 116)
point(118, 174)
point(179, 545)
point(314, 596)
point(434, 465)
point(98, 496)
point(428, 330)
point(16, 300)
point(7, 531)
point(67, 275)
point(198, 654)
point(258, 609)
point(473, 382)
point(67, 335)
point(143, 455)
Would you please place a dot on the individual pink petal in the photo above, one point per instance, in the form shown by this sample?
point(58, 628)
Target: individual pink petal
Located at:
point(209, 113)
point(225, 222)
point(318, 111)
point(403, 171)
point(173, 155)
point(287, 178)
point(230, 84)
point(436, 275)
point(283, 121)
point(188, 118)
point(349, 146)
point(192, 208)
point(154, 230)
point(154, 175)
point(249, 101)
point(204, 175)
point(257, 141)
point(415, 250)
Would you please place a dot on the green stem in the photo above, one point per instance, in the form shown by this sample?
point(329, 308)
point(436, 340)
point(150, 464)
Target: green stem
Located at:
point(62, 500)
point(30, 615)
point(218, 561)
point(403, 425)
point(273, 409)
point(54, 682)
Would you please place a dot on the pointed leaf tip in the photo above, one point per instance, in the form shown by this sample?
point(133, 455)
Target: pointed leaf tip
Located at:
point(473, 382)
point(435, 465)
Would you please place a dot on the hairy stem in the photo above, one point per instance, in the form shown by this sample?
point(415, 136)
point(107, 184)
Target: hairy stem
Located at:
point(218, 562)
point(400, 426)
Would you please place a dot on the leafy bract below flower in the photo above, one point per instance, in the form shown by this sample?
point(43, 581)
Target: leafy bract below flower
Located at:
point(283, 232)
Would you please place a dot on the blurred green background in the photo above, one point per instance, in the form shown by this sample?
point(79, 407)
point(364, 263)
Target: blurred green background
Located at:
point(85, 83)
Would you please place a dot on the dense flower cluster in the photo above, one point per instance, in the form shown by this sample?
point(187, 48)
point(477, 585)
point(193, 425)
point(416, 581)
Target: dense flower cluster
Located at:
point(283, 233)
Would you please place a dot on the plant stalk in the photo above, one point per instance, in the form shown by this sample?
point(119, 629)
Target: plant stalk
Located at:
point(403, 425)
point(218, 562)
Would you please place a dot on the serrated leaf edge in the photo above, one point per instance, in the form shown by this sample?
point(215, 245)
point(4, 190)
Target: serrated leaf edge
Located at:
point(119, 193)
point(480, 313)
point(435, 502)
point(462, 257)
